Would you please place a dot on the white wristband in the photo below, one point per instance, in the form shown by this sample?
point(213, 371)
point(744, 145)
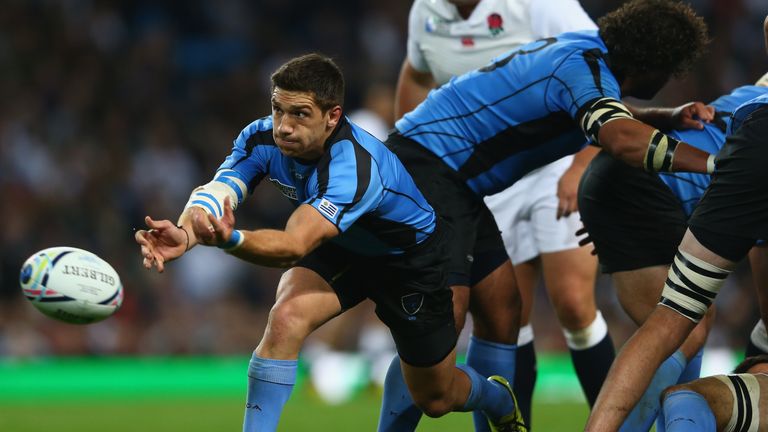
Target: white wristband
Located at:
point(711, 164)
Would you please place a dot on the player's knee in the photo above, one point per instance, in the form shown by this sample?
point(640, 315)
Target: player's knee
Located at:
point(434, 404)
point(286, 319)
point(672, 389)
point(574, 312)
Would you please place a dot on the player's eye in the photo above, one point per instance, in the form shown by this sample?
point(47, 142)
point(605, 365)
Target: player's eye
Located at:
point(276, 109)
point(301, 114)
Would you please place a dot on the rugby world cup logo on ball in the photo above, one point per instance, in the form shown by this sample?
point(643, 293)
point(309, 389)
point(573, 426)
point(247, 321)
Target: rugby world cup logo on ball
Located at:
point(71, 285)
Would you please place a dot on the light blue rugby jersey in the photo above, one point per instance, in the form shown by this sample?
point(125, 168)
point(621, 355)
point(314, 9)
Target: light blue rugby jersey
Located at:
point(689, 187)
point(358, 185)
point(520, 112)
point(742, 112)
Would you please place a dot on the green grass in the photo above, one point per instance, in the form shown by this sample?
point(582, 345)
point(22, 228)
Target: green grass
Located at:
point(206, 394)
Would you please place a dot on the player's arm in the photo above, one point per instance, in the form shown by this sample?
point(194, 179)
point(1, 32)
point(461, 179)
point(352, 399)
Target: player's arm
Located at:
point(688, 116)
point(413, 86)
point(610, 124)
point(306, 229)
point(568, 185)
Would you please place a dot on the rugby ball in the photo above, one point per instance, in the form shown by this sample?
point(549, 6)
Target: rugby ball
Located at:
point(71, 285)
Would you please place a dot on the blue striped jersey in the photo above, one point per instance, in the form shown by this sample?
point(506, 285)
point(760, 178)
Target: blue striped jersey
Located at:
point(743, 111)
point(689, 187)
point(495, 124)
point(357, 184)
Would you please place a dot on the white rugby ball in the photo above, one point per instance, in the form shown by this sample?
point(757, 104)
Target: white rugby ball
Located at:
point(71, 285)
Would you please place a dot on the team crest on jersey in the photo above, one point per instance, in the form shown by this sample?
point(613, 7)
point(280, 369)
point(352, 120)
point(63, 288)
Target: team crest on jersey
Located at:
point(412, 303)
point(327, 208)
point(495, 24)
point(288, 191)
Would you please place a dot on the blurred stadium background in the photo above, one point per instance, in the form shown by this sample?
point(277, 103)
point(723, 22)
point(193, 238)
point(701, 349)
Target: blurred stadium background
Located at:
point(114, 109)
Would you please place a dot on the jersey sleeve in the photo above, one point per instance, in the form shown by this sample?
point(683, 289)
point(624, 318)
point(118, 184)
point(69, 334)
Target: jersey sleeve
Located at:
point(348, 185)
point(248, 163)
point(552, 17)
point(579, 82)
point(416, 25)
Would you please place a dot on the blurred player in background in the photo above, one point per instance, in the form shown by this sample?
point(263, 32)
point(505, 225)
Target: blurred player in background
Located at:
point(734, 402)
point(447, 38)
point(731, 216)
point(361, 229)
point(481, 132)
point(636, 220)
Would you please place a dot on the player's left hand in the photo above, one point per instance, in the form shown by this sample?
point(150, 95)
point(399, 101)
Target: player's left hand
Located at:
point(213, 231)
point(567, 192)
point(692, 115)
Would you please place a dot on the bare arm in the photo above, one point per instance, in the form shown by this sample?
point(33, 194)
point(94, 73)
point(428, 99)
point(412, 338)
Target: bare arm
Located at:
point(687, 116)
point(412, 88)
point(629, 140)
point(306, 229)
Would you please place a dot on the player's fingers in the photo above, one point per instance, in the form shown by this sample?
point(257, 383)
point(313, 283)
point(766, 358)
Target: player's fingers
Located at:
point(159, 262)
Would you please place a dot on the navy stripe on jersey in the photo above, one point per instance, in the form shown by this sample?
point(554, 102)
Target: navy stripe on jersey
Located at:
point(529, 135)
point(258, 138)
point(593, 57)
point(363, 164)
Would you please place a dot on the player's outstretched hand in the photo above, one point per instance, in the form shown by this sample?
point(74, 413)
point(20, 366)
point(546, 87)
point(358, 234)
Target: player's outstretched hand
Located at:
point(211, 231)
point(163, 242)
point(692, 115)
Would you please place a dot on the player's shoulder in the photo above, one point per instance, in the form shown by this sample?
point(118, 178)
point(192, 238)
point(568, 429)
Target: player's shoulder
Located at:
point(258, 132)
point(439, 8)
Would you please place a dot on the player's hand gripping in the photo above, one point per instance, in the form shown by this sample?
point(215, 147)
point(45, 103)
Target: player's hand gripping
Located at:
point(211, 231)
point(163, 242)
point(567, 189)
point(692, 115)
point(586, 240)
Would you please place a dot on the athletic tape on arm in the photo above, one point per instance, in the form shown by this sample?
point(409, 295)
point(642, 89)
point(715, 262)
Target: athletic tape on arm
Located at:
point(692, 284)
point(601, 112)
point(660, 152)
point(210, 196)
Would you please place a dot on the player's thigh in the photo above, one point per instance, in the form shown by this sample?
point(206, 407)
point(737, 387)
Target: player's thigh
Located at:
point(758, 260)
point(305, 296)
point(639, 290)
point(527, 277)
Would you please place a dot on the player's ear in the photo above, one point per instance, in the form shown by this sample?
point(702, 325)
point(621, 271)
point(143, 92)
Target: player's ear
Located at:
point(334, 115)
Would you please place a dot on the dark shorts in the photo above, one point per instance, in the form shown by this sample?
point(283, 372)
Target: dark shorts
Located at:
point(477, 248)
point(733, 213)
point(633, 218)
point(410, 291)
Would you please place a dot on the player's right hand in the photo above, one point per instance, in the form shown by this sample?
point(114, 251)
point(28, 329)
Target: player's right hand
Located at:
point(163, 242)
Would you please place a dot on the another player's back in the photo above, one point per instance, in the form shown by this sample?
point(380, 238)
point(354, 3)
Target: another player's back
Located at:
point(689, 187)
point(518, 107)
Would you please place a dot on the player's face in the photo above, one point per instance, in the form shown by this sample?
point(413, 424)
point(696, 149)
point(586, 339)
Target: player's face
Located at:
point(300, 127)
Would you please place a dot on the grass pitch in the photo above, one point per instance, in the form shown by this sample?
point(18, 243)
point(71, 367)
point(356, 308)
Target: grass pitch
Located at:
point(206, 394)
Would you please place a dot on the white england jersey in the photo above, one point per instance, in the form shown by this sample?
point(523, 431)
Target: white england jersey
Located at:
point(440, 41)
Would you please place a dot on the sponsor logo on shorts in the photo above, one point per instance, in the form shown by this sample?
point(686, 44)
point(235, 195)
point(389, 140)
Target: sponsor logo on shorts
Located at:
point(326, 207)
point(412, 303)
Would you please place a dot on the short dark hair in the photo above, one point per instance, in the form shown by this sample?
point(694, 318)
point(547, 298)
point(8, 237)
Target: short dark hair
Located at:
point(653, 36)
point(749, 362)
point(312, 73)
